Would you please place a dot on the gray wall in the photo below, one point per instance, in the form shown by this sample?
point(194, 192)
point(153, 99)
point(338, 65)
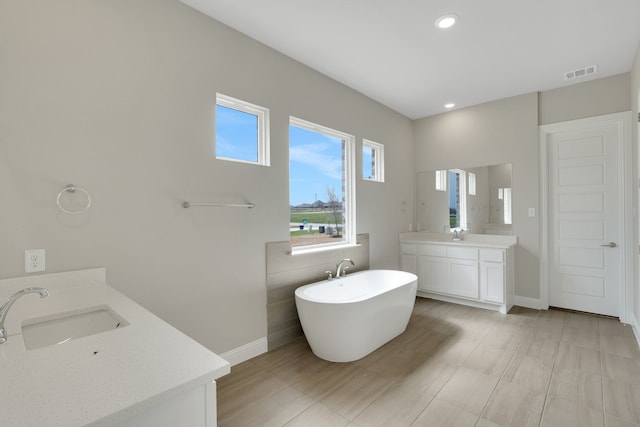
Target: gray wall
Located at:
point(117, 96)
point(592, 98)
point(506, 131)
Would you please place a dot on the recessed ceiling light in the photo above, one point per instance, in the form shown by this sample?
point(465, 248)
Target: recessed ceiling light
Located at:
point(446, 21)
point(449, 105)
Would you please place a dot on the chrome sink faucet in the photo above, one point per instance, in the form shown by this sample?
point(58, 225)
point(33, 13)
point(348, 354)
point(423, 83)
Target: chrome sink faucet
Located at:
point(457, 234)
point(9, 302)
point(341, 268)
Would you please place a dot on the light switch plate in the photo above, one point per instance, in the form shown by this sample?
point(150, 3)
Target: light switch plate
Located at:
point(532, 212)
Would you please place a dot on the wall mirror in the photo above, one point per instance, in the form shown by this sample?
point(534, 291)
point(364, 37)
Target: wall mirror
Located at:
point(477, 200)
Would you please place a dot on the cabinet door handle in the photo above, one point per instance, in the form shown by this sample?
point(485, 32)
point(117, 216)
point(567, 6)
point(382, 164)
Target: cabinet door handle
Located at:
point(610, 245)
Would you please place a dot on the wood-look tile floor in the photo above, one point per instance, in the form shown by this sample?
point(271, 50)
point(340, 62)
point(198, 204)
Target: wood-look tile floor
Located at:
point(454, 366)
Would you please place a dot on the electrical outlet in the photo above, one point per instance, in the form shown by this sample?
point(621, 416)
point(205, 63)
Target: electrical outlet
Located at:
point(33, 260)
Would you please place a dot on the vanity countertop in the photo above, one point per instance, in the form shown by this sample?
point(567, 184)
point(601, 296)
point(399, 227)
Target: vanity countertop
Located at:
point(473, 240)
point(99, 379)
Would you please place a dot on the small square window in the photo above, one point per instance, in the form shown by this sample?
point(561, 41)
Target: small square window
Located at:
point(242, 131)
point(372, 161)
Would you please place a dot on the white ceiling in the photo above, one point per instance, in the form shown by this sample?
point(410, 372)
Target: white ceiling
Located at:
point(391, 51)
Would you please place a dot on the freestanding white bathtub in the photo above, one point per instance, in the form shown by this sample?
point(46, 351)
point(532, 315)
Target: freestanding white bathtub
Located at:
point(346, 318)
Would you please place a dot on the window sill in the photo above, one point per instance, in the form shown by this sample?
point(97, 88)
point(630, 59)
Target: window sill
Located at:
point(302, 250)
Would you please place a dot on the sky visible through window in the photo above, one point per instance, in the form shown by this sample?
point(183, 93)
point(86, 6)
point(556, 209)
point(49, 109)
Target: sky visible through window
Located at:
point(315, 164)
point(236, 134)
point(367, 165)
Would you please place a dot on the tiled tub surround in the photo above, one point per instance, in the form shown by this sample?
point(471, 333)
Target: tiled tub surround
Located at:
point(477, 270)
point(122, 377)
point(454, 366)
point(286, 272)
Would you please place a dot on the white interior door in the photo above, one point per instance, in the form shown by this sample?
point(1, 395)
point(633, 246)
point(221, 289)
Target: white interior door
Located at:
point(584, 217)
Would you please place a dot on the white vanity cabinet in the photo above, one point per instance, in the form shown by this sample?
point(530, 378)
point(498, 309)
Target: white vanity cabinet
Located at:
point(432, 268)
point(409, 259)
point(462, 270)
point(467, 272)
point(448, 270)
point(145, 373)
point(493, 274)
point(194, 408)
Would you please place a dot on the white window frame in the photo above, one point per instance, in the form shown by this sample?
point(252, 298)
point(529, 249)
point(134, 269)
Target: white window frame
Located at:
point(472, 183)
point(349, 190)
point(507, 205)
point(377, 168)
point(262, 113)
point(462, 194)
point(441, 180)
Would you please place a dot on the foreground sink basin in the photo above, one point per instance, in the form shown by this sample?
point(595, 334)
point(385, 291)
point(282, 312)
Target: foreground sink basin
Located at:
point(62, 327)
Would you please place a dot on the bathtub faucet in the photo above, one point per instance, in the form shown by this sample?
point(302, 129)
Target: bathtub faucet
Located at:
point(8, 303)
point(341, 268)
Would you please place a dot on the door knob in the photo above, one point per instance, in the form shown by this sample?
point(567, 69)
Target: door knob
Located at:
point(610, 245)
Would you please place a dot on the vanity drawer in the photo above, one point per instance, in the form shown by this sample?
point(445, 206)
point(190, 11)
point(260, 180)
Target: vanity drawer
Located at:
point(493, 255)
point(408, 248)
point(462, 253)
point(432, 250)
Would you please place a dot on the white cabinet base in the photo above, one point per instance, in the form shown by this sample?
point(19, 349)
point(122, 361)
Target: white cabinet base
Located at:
point(463, 273)
point(502, 308)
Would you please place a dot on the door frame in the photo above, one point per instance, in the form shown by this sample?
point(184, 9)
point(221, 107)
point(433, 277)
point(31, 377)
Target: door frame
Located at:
point(625, 204)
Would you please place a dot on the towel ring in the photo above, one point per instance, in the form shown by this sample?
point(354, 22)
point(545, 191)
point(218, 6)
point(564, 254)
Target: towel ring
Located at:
point(72, 189)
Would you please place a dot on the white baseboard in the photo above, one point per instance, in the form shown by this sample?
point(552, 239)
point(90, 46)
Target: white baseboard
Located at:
point(635, 326)
point(527, 302)
point(245, 352)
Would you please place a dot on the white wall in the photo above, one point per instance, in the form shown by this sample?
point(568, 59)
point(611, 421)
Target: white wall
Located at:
point(117, 96)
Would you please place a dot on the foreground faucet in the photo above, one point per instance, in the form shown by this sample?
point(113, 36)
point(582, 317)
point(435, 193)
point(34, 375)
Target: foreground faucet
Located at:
point(341, 269)
point(457, 235)
point(13, 298)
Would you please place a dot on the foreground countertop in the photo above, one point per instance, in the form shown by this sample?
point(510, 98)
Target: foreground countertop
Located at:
point(474, 240)
point(99, 379)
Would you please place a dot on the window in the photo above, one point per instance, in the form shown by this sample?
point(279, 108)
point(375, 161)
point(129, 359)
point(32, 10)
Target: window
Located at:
point(372, 161)
point(457, 199)
point(441, 180)
point(472, 184)
point(505, 195)
point(321, 185)
point(242, 131)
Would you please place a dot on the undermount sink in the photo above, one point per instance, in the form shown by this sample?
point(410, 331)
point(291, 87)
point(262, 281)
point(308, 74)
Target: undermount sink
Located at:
point(62, 327)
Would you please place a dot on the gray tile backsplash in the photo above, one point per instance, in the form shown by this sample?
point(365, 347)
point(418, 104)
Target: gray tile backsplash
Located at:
point(286, 272)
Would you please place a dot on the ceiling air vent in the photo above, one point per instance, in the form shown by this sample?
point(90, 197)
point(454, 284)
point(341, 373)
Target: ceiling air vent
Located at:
point(581, 72)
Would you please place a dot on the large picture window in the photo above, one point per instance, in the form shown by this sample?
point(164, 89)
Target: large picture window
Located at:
point(321, 185)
